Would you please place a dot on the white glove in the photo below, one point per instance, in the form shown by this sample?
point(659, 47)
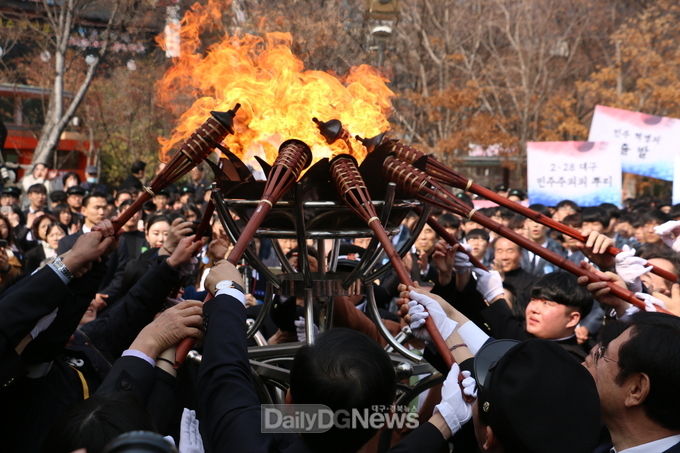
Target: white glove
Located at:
point(631, 267)
point(489, 283)
point(670, 234)
point(422, 306)
point(469, 384)
point(453, 408)
point(300, 329)
point(461, 261)
point(189, 436)
point(651, 302)
point(43, 323)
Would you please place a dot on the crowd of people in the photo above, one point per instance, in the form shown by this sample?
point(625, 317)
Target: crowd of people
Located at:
point(545, 361)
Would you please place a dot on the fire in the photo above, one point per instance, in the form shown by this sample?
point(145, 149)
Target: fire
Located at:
point(278, 96)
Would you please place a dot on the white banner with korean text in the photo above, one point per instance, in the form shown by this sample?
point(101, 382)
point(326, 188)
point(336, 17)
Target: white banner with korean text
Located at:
point(589, 173)
point(647, 143)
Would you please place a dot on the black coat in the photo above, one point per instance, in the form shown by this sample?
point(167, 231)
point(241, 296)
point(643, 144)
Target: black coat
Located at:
point(33, 258)
point(79, 368)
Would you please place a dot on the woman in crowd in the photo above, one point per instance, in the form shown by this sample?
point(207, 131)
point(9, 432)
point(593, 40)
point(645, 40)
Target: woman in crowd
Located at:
point(157, 228)
point(47, 247)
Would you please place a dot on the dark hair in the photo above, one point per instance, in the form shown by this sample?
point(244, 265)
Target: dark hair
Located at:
point(653, 349)
point(573, 220)
point(516, 221)
point(87, 198)
point(155, 218)
point(93, 423)
point(68, 174)
point(654, 216)
point(37, 188)
point(52, 226)
point(122, 191)
point(448, 220)
point(59, 209)
point(58, 196)
point(36, 224)
point(543, 209)
point(661, 251)
point(343, 370)
point(190, 207)
point(611, 209)
point(568, 203)
point(137, 166)
point(561, 287)
point(478, 233)
point(675, 211)
point(595, 214)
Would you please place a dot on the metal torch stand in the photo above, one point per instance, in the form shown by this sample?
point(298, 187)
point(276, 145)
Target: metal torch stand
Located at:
point(271, 363)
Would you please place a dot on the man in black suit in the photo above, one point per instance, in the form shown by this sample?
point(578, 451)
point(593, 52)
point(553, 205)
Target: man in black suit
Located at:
point(637, 375)
point(93, 210)
point(134, 179)
point(343, 370)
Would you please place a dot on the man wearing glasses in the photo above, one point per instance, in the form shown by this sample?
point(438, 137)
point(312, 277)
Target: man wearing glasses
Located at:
point(637, 375)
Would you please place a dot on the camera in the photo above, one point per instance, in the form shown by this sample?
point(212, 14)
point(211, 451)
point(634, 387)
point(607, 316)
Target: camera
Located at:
point(139, 442)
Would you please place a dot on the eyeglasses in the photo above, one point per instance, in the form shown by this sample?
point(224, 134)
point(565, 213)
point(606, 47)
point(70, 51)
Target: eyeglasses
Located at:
point(598, 353)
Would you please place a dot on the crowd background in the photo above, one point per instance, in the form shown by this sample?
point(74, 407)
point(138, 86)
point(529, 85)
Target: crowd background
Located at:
point(119, 302)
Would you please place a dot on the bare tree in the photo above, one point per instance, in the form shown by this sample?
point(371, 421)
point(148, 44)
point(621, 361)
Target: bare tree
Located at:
point(63, 17)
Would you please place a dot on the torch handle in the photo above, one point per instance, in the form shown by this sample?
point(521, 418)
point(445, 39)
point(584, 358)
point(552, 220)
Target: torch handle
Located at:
point(205, 220)
point(234, 257)
point(248, 232)
point(404, 278)
point(131, 210)
point(187, 344)
point(554, 224)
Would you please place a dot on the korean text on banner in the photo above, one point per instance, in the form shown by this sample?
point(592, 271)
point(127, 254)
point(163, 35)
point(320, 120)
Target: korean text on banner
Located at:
point(647, 143)
point(588, 173)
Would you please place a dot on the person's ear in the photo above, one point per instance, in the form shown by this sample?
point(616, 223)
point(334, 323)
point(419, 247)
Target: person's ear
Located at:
point(490, 441)
point(637, 386)
point(574, 319)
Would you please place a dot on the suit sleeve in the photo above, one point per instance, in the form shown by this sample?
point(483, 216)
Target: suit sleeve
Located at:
point(503, 323)
point(52, 341)
point(425, 438)
point(228, 406)
point(26, 302)
point(129, 374)
point(117, 327)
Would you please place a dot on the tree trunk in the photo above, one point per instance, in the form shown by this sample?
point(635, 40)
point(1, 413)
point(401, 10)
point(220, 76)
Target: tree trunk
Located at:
point(58, 117)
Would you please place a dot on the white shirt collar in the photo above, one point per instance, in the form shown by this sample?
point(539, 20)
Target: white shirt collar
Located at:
point(86, 229)
point(656, 446)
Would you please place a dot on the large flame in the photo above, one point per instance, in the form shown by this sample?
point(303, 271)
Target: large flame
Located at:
point(278, 96)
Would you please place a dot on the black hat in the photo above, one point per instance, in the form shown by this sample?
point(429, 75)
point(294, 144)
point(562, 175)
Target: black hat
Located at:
point(517, 193)
point(349, 256)
point(500, 188)
point(535, 396)
point(187, 189)
point(76, 190)
point(11, 191)
point(465, 198)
